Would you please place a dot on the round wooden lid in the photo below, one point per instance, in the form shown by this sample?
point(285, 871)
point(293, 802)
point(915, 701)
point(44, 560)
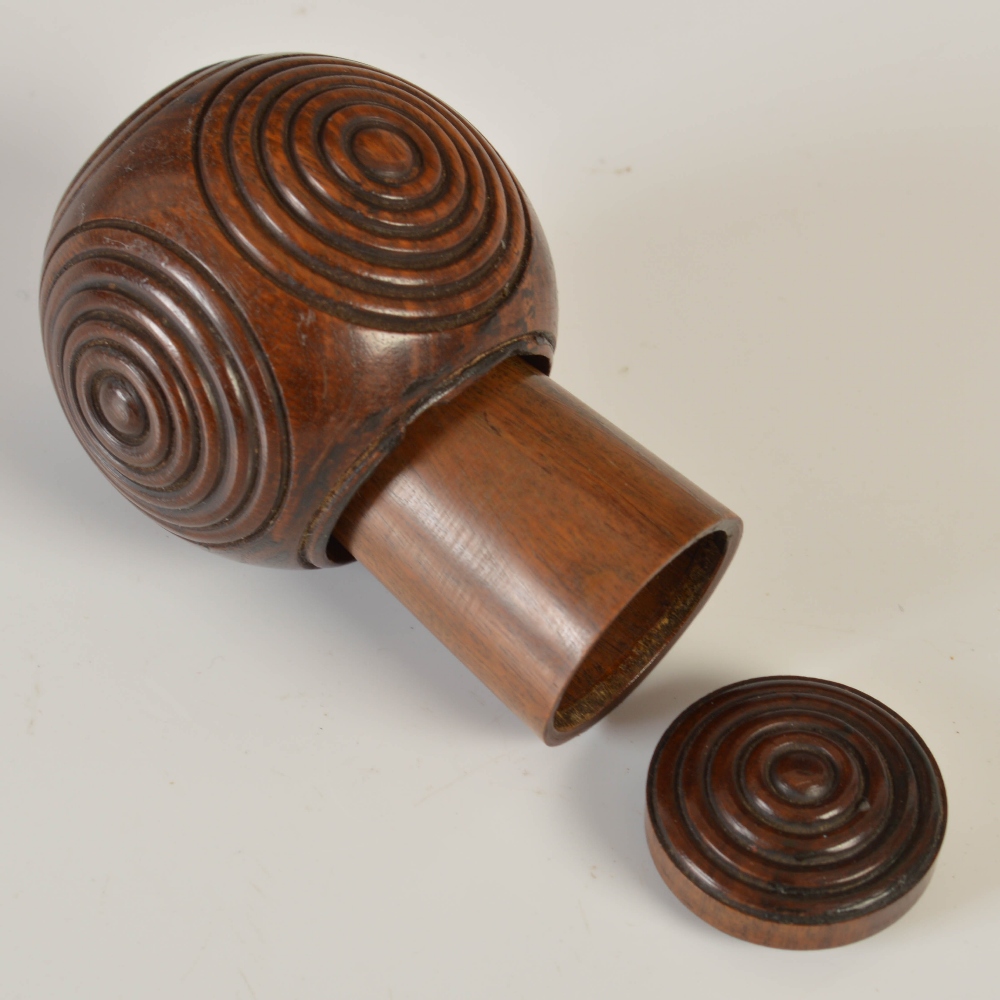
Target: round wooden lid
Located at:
point(794, 812)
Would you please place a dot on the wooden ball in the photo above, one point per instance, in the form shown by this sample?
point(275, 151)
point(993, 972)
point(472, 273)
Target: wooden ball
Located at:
point(261, 278)
point(298, 311)
point(794, 812)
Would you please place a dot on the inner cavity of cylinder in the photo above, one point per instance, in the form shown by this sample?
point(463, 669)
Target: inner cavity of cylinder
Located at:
point(641, 633)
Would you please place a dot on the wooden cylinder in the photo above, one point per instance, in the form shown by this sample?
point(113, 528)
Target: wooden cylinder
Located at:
point(553, 555)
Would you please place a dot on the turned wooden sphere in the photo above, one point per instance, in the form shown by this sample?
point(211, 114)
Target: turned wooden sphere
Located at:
point(298, 310)
point(264, 275)
point(794, 812)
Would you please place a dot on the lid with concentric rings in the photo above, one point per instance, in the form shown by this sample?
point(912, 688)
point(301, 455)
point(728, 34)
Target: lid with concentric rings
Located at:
point(794, 812)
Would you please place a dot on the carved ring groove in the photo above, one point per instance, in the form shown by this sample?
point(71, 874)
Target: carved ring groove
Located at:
point(361, 194)
point(164, 383)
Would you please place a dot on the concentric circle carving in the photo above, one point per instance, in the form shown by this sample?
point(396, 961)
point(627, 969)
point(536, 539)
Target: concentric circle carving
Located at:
point(361, 193)
point(794, 811)
point(163, 383)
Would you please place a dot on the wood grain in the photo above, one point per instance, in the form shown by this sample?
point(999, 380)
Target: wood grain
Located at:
point(548, 551)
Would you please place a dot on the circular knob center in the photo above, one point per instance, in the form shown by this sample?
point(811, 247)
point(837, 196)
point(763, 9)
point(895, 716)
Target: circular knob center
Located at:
point(802, 777)
point(384, 154)
point(121, 408)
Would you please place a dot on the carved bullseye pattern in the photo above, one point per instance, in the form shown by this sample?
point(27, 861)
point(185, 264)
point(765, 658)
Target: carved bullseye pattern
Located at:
point(385, 156)
point(796, 800)
point(163, 383)
point(361, 193)
point(119, 405)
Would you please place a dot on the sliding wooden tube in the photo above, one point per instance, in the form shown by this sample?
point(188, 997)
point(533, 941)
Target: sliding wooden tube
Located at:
point(553, 555)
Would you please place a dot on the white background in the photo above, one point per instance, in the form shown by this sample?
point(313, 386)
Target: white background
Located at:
point(776, 228)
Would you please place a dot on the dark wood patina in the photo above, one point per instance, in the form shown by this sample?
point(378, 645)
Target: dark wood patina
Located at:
point(794, 812)
point(280, 267)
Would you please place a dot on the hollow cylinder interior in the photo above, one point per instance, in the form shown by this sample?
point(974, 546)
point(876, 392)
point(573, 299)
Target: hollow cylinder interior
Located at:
point(553, 555)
